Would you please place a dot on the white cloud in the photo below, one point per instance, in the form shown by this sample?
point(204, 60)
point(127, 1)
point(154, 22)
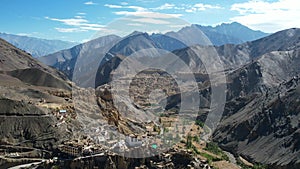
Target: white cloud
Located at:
point(68, 30)
point(141, 11)
point(146, 1)
point(165, 7)
point(149, 20)
point(79, 24)
point(71, 21)
point(203, 7)
point(268, 16)
point(191, 10)
point(90, 3)
point(187, 7)
point(113, 6)
point(200, 7)
point(127, 13)
point(135, 24)
point(124, 3)
point(81, 13)
point(137, 8)
point(91, 28)
point(146, 14)
point(79, 17)
point(24, 34)
point(137, 18)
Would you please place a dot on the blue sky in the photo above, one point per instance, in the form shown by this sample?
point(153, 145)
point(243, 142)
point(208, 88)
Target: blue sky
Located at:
point(81, 20)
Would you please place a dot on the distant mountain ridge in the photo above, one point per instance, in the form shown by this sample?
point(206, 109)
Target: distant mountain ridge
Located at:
point(35, 46)
point(231, 33)
point(187, 36)
point(19, 64)
point(234, 31)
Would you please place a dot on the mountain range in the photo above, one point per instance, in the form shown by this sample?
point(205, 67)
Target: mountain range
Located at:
point(65, 60)
point(234, 32)
point(260, 122)
point(261, 109)
point(35, 46)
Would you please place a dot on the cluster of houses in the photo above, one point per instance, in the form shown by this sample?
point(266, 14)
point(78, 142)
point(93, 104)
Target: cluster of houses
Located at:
point(63, 115)
point(80, 148)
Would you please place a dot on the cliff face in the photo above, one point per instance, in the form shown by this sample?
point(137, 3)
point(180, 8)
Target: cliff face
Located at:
point(272, 128)
point(261, 116)
point(261, 120)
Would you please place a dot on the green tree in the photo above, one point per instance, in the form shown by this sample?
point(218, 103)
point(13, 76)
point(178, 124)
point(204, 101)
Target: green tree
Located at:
point(189, 141)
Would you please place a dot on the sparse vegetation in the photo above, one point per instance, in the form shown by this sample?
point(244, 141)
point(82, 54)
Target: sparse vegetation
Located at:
point(196, 139)
point(256, 166)
point(189, 141)
point(259, 166)
point(199, 123)
point(210, 158)
point(166, 130)
point(214, 148)
point(156, 129)
point(55, 167)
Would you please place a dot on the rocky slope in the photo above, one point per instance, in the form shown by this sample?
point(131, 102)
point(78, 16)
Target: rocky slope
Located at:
point(83, 59)
point(27, 125)
point(264, 127)
point(12, 59)
point(27, 89)
point(261, 118)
